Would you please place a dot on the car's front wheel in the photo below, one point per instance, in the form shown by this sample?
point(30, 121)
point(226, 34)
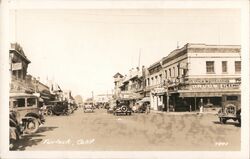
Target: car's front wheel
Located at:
point(31, 126)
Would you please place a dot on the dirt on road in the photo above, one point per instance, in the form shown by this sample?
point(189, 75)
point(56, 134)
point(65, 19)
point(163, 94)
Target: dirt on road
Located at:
point(140, 132)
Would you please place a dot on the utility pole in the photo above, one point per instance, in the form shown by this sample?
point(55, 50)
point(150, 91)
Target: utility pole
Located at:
point(139, 60)
point(178, 45)
point(92, 98)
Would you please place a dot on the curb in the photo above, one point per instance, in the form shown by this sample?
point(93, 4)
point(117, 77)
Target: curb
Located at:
point(183, 113)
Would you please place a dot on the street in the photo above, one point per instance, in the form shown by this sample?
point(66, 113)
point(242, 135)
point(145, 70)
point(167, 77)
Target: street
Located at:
point(140, 132)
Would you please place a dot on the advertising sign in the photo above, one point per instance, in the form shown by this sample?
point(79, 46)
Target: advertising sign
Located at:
point(16, 66)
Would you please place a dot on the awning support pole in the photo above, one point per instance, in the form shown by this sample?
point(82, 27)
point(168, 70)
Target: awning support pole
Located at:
point(195, 102)
point(167, 102)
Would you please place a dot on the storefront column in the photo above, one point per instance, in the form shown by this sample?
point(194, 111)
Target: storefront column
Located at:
point(167, 102)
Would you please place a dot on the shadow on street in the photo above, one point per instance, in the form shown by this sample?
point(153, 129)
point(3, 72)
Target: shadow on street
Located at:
point(228, 123)
point(32, 139)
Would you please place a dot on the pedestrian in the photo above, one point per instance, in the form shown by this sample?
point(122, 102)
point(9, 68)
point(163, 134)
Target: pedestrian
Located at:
point(201, 105)
point(190, 108)
point(44, 108)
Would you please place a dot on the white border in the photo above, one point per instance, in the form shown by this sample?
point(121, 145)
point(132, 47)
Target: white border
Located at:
point(84, 4)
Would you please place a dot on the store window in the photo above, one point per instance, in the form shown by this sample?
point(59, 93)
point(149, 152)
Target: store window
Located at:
point(224, 66)
point(237, 66)
point(210, 66)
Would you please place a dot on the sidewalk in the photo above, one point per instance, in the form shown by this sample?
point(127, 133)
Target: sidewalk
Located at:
point(183, 113)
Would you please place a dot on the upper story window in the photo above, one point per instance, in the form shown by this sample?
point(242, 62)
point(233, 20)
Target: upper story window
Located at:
point(237, 66)
point(224, 66)
point(160, 78)
point(173, 71)
point(166, 73)
point(170, 73)
point(210, 66)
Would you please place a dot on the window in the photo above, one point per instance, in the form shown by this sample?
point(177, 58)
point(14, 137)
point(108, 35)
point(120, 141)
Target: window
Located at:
point(170, 73)
point(224, 66)
point(31, 102)
point(148, 82)
point(21, 102)
point(232, 98)
point(152, 81)
point(184, 72)
point(210, 66)
point(238, 66)
point(166, 74)
point(160, 80)
point(174, 71)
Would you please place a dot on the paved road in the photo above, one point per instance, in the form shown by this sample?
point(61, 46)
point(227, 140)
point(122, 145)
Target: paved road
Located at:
point(139, 132)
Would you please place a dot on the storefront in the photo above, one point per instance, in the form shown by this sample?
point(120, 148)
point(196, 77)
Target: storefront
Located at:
point(159, 99)
point(206, 92)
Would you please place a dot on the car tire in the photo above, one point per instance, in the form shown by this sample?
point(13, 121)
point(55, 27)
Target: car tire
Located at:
point(49, 112)
point(223, 120)
point(31, 126)
point(124, 108)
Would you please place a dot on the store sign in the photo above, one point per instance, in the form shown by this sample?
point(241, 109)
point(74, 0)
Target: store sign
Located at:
point(216, 86)
point(16, 66)
point(158, 91)
point(215, 80)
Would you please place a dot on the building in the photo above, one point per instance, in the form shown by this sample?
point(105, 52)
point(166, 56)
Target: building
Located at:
point(18, 68)
point(21, 82)
point(155, 85)
point(103, 98)
point(118, 79)
point(200, 73)
point(186, 78)
point(131, 86)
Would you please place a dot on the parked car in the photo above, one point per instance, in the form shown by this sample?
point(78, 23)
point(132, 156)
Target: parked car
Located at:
point(58, 108)
point(15, 129)
point(88, 108)
point(27, 112)
point(231, 108)
point(141, 106)
point(122, 108)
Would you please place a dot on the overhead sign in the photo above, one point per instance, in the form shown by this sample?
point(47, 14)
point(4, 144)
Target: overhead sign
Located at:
point(16, 66)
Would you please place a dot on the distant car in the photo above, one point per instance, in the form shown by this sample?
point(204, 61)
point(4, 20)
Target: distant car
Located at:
point(122, 108)
point(88, 108)
point(141, 106)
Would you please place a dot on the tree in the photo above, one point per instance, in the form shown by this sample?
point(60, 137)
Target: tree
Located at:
point(78, 99)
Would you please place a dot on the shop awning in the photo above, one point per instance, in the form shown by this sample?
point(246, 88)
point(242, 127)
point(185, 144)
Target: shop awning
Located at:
point(208, 93)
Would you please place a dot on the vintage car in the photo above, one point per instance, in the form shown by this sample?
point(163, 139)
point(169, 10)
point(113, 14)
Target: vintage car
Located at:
point(88, 108)
point(15, 129)
point(141, 106)
point(231, 108)
point(122, 108)
point(58, 108)
point(26, 111)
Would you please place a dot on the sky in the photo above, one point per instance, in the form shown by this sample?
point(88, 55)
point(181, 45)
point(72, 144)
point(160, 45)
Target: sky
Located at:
point(82, 49)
